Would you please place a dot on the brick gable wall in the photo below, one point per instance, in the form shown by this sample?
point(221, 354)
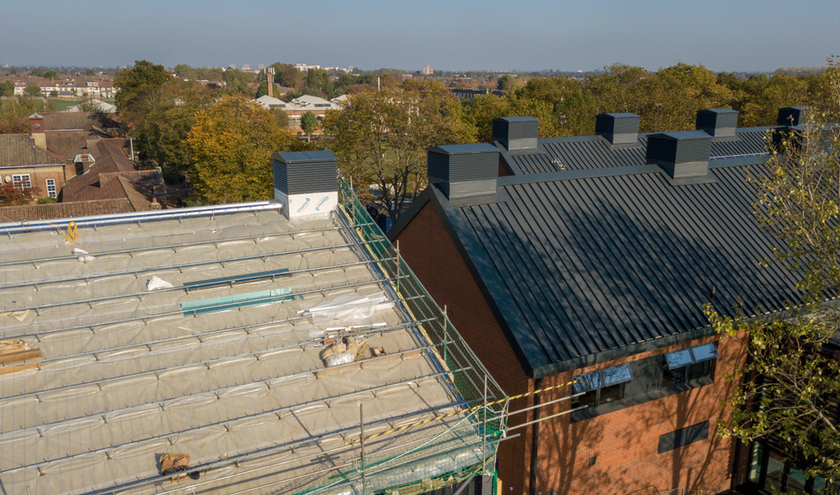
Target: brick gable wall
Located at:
point(433, 256)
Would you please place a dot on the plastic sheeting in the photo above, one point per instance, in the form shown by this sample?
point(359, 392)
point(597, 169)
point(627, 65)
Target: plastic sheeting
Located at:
point(127, 376)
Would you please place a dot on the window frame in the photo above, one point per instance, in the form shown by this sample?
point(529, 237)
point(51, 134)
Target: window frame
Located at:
point(21, 184)
point(52, 190)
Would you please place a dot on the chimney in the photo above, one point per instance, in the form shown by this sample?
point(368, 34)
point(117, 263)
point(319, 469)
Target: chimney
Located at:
point(36, 130)
point(683, 155)
point(720, 123)
point(465, 170)
point(516, 133)
point(791, 116)
point(306, 183)
point(269, 74)
point(620, 129)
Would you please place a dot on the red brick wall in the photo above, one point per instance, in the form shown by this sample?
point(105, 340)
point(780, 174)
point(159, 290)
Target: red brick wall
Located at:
point(433, 256)
point(624, 442)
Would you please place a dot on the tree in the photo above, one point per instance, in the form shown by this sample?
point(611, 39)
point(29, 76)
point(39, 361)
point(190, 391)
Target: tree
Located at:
point(789, 383)
point(236, 82)
point(7, 88)
point(308, 123)
point(184, 71)
point(288, 75)
point(36, 72)
point(32, 90)
point(90, 72)
point(381, 139)
point(11, 196)
point(167, 124)
point(232, 142)
point(51, 74)
point(136, 89)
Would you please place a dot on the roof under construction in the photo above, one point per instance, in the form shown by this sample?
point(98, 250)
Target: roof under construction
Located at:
point(202, 331)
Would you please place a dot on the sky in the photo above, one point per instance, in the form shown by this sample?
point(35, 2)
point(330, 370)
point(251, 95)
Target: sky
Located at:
point(567, 35)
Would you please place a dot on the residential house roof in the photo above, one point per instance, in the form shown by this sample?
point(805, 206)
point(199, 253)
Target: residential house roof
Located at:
point(608, 257)
point(104, 179)
point(19, 150)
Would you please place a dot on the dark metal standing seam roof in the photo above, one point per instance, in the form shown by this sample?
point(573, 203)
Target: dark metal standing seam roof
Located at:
point(580, 267)
point(591, 152)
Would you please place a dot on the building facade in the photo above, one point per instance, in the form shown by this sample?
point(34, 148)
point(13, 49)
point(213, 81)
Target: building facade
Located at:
point(578, 270)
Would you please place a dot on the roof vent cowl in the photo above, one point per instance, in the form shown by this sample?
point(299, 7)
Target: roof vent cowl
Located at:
point(720, 123)
point(517, 133)
point(464, 170)
point(620, 129)
point(791, 116)
point(683, 155)
point(306, 183)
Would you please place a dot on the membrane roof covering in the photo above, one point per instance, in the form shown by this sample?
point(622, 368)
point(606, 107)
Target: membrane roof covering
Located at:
point(127, 372)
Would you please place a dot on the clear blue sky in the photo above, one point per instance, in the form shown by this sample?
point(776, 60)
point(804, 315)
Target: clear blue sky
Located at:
point(724, 35)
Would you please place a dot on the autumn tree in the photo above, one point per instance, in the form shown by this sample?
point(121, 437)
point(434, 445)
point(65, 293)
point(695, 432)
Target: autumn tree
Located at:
point(381, 139)
point(789, 384)
point(12, 196)
point(232, 142)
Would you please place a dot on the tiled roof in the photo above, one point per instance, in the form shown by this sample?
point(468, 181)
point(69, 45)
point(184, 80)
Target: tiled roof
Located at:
point(110, 161)
point(28, 213)
point(20, 150)
point(54, 121)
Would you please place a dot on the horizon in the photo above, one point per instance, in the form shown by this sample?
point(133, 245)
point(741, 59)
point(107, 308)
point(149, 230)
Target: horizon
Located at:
point(747, 36)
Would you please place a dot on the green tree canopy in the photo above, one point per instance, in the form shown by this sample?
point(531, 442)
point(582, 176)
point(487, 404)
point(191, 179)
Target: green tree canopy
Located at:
point(309, 124)
point(51, 74)
point(136, 89)
point(32, 90)
point(236, 82)
point(788, 383)
point(7, 88)
point(184, 71)
point(381, 139)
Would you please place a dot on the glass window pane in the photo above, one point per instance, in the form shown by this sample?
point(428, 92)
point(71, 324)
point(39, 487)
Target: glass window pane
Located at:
point(587, 399)
point(699, 370)
point(609, 394)
point(673, 377)
point(796, 481)
point(588, 381)
point(755, 462)
point(704, 352)
point(679, 358)
point(617, 374)
point(775, 472)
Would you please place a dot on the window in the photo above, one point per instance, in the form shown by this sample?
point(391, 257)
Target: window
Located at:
point(683, 437)
point(601, 387)
point(689, 364)
point(21, 181)
point(51, 188)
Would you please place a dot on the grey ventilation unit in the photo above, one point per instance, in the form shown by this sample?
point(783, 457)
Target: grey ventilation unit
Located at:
point(684, 155)
point(516, 133)
point(306, 182)
point(720, 123)
point(791, 116)
point(620, 129)
point(464, 170)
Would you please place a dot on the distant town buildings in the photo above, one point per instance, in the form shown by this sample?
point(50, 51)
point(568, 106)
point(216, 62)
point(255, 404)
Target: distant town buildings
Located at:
point(299, 106)
point(96, 87)
point(428, 70)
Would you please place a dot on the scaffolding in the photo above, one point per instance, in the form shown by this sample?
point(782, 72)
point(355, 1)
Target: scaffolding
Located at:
point(221, 361)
